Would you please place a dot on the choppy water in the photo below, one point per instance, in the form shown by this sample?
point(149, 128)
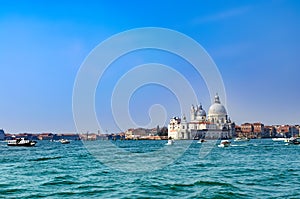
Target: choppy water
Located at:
point(256, 169)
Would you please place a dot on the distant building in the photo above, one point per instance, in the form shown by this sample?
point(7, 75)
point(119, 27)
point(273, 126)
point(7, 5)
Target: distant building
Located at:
point(255, 130)
point(298, 129)
point(286, 131)
point(138, 133)
point(269, 132)
point(45, 136)
point(88, 136)
point(128, 134)
point(52, 136)
point(72, 136)
point(120, 136)
point(2, 134)
point(247, 128)
point(238, 131)
point(258, 129)
point(216, 125)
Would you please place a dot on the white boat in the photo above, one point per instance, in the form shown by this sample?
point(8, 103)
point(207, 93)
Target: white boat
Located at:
point(241, 139)
point(170, 142)
point(280, 139)
point(201, 141)
point(288, 140)
point(224, 143)
point(64, 141)
point(21, 142)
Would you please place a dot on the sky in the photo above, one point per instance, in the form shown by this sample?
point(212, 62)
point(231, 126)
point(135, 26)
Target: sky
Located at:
point(254, 44)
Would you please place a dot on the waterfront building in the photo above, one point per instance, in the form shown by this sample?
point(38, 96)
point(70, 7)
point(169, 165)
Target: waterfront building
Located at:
point(216, 124)
point(88, 136)
point(258, 129)
point(269, 132)
point(286, 131)
point(238, 131)
point(71, 136)
point(128, 134)
point(298, 129)
point(45, 136)
point(139, 133)
point(253, 130)
point(2, 134)
point(52, 136)
point(247, 130)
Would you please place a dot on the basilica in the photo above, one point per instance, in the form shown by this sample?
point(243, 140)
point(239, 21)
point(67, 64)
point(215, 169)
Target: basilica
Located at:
point(214, 125)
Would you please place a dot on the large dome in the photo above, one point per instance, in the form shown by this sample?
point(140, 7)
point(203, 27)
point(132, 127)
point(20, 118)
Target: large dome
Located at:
point(217, 108)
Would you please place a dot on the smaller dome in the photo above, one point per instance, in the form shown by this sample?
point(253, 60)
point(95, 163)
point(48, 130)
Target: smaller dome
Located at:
point(201, 111)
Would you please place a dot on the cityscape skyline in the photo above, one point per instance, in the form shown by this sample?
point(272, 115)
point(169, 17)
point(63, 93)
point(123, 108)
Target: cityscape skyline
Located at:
point(254, 45)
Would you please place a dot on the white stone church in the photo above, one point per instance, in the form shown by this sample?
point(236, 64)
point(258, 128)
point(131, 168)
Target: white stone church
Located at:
point(215, 125)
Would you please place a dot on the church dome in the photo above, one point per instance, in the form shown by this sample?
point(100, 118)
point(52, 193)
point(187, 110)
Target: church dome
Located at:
point(217, 108)
point(201, 111)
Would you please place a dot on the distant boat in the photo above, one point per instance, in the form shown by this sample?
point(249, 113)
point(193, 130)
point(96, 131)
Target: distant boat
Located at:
point(224, 143)
point(293, 141)
point(289, 139)
point(21, 142)
point(280, 139)
point(64, 141)
point(201, 141)
point(170, 142)
point(241, 139)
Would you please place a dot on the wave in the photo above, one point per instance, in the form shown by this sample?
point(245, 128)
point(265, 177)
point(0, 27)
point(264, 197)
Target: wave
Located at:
point(213, 183)
point(45, 158)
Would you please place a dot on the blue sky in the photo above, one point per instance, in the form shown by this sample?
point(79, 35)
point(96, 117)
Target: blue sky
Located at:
point(255, 45)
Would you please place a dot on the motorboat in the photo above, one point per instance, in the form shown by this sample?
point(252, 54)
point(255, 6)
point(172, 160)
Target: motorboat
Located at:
point(224, 143)
point(21, 142)
point(293, 141)
point(279, 139)
point(289, 139)
point(64, 141)
point(170, 142)
point(241, 139)
point(201, 141)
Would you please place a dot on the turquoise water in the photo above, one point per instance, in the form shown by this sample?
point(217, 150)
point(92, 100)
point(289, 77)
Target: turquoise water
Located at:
point(255, 169)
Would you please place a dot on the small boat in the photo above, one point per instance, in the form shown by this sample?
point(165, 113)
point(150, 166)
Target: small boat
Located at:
point(201, 141)
point(279, 139)
point(289, 139)
point(64, 141)
point(241, 139)
point(170, 142)
point(293, 141)
point(224, 143)
point(21, 142)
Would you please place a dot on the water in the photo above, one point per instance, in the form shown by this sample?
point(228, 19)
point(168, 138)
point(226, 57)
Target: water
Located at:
point(254, 169)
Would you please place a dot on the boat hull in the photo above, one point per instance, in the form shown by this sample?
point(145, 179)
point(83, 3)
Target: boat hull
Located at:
point(29, 144)
point(63, 141)
point(224, 143)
